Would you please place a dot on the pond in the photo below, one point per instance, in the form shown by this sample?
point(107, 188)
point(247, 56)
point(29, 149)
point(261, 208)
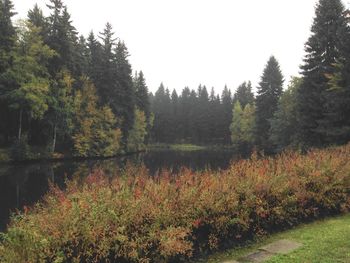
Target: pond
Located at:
point(25, 184)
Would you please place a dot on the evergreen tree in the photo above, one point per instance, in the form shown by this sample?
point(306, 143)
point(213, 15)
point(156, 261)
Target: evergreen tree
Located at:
point(37, 18)
point(82, 58)
point(285, 120)
point(161, 110)
point(226, 99)
point(236, 125)
point(95, 62)
point(104, 71)
point(141, 94)
point(269, 92)
point(324, 49)
point(62, 38)
point(174, 117)
point(124, 101)
point(7, 80)
point(244, 94)
point(184, 110)
point(202, 120)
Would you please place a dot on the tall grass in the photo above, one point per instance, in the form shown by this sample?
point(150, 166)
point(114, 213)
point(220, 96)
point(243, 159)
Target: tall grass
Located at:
point(133, 217)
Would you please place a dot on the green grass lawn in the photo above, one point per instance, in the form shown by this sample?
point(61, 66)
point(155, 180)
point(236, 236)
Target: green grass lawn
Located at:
point(325, 241)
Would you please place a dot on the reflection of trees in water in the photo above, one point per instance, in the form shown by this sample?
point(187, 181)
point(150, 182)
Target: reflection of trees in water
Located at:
point(25, 184)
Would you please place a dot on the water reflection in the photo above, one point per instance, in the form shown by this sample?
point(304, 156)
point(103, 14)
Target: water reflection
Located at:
point(25, 184)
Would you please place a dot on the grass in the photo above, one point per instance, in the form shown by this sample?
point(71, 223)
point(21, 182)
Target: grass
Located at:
point(178, 147)
point(325, 241)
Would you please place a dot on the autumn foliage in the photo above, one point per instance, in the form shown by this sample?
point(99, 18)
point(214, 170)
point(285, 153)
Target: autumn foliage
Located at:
point(133, 217)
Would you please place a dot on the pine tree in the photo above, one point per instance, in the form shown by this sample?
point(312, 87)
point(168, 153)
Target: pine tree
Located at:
point(269, 92)
point(124, 101)
point(141, 94)
point(37, 18)
point(324, 49)
point(236, 125)
point(226, 99)
point(174, 115)
point(160, 107)
point(95, 61)
point(285, 120)
point(244, 94)
point(185, 107)
point(104, 67)
point(62, 38)
point(7, 80)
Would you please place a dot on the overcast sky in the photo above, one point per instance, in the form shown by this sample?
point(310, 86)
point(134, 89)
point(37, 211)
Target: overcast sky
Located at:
point(188, 42)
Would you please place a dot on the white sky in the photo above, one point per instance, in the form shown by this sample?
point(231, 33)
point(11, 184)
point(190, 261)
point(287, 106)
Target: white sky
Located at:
point(188, 42)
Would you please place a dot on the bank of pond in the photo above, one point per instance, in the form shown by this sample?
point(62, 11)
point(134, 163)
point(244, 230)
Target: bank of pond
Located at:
point(135, 214)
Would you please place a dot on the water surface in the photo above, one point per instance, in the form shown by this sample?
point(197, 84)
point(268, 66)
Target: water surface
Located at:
point(25, 184)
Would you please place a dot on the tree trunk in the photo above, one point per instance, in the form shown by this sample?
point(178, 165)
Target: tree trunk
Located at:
point(20, 125)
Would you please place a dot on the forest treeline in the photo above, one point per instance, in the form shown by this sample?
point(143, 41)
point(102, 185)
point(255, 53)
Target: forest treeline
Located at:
point(62, 92)
point(314, 111)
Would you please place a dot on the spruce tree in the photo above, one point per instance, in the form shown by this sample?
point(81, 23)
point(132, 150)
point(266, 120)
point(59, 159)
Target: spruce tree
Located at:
point(285, 120)
point(62, 38)
point(324, 50)
point(37, 18)
point(7, 80)
point(123, 102)
point(269, 92)
point(226, 99)
point(244, 94)
point(141, 94)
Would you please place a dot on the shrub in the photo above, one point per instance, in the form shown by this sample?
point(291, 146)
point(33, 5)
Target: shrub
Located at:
point(137, 218)
point(20, 150)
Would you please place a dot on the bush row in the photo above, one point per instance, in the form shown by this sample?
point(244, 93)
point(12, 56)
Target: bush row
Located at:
point(134, 217)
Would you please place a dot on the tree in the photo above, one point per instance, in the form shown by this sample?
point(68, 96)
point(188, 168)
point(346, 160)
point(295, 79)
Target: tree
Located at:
point(59, 115)
point(284, 123)
point(160, 107)
point(244, 94)
point(103, 66)
point(124, 101)
point(336, 123)
point(236, 125)
point(243, 127)
point(137, 135)
point(62, 38)
point(31, 74)
point(269, 92)
point(226, 100)
point(141, 94)
point(37, 19)
point(7, 80)
point(94, 128)
point(324, 49)
point(95, 62)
